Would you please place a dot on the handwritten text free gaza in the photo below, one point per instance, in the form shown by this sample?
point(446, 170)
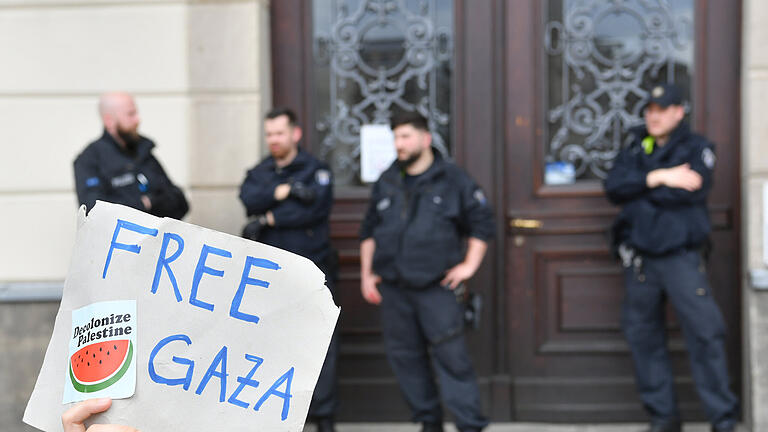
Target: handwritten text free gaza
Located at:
point(281, 388)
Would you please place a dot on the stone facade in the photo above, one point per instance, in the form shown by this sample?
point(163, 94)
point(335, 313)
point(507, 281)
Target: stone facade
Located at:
point(754, 171)
point(200, 73)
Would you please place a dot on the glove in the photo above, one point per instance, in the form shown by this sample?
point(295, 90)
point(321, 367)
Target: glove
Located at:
point(302, 193)
point(253, 228)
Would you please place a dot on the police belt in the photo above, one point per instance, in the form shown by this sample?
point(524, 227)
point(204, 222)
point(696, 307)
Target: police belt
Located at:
point(632, 257)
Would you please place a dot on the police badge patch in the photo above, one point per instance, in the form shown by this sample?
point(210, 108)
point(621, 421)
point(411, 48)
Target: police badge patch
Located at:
point(323, 177)
point(708, 157)
point(123, 180)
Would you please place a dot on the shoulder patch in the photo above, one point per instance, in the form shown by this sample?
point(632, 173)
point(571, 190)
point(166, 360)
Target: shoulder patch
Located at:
point(708, 157)
point(479, 196)
point(383, 204)
point(323, 177)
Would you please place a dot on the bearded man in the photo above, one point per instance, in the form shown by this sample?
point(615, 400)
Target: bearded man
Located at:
point(288, 197)
point(412, 258)
point(119, 167)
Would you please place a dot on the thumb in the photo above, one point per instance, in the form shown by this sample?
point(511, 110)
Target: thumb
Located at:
point(73, 418)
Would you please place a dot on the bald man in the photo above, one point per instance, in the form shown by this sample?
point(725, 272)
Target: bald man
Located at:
point(119, 167)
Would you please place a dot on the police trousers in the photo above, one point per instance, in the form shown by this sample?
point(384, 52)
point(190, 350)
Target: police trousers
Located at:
point(423, 334)
point(679, 278)
point(324, 399)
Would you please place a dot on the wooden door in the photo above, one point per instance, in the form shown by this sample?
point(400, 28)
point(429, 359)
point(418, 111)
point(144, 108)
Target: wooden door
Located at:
point(549, 347)
point(568, 358)
point(462, 113)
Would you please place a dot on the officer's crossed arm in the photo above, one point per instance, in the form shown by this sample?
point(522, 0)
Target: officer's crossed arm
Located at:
point(257, 192)
point(679, 177)
point(687, 183)
point(626, 181)
point(164, 199)
point(281, 193)
point(303, 204)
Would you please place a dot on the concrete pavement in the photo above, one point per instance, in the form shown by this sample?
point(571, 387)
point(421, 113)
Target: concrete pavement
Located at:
point(514, 427)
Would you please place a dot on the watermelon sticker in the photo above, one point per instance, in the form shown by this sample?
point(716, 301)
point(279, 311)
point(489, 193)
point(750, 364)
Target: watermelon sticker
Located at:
point(102, 352)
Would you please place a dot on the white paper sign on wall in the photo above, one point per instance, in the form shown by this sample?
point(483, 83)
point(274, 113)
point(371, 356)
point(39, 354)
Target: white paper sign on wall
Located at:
point(377, 151)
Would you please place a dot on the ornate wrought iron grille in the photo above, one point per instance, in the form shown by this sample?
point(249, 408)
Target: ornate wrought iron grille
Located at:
point(373, 58)
point(601, 56)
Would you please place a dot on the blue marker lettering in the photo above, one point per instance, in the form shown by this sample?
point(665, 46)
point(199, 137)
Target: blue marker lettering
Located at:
point(163, 262)
point(187, 380)
point(203, 269)
point(234, 310)
point(122, 246)
point(286, 378)
point(246, 381)
point(221, 358)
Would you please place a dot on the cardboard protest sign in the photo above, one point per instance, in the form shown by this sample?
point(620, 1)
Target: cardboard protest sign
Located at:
point(214, 332)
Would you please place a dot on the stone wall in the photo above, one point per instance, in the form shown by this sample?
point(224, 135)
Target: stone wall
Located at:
point(200, 72)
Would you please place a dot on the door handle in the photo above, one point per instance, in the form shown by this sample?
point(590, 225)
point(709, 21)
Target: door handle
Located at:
point(525, 223)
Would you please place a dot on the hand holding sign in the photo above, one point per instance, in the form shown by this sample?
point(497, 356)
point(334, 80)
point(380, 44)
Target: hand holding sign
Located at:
point(216, 332)
point(74, 418)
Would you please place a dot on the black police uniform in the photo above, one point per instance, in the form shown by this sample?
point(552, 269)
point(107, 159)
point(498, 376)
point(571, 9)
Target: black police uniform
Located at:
point(108, 172)
point(419, 224)
point(660, 234)
point(301, 227)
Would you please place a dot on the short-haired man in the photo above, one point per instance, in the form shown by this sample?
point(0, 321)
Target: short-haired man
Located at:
point(661, 181)
point(412, 257)
point(119, 167)
point(289, 197)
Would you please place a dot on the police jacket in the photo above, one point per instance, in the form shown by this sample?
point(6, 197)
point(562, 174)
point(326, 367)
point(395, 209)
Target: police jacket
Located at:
point(301, 226)
point(661, 220)
point(108, 172)
point(419, 230)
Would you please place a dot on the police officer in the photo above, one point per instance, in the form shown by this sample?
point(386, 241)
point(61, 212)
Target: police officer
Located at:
point(119, 167)
point(288, 197)
point(411, 259)
point(661, 182)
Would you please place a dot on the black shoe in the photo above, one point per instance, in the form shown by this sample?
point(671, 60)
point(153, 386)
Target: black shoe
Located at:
point(667, 426)
point(431, 427)
point(325, 425)
point(731, 428)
